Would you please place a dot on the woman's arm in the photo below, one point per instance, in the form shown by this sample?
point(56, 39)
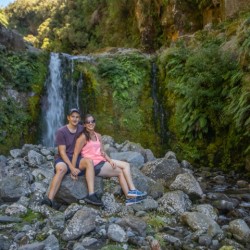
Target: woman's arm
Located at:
point(103, 153)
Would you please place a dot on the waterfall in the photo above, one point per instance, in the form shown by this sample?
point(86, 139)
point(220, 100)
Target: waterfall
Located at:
point(159, 114)
point(62, 94)
point(54, 107)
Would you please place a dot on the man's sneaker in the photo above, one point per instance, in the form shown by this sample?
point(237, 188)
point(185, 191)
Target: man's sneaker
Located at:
point(93, 199)
point(131, 201)
point(46, 201)
point(50, 203)
point(136, 193)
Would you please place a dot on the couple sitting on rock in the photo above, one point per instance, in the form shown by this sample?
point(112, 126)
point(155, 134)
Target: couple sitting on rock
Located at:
point(80, 152)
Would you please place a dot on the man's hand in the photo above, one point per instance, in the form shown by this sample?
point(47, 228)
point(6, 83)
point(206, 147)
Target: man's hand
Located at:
point(74, 173)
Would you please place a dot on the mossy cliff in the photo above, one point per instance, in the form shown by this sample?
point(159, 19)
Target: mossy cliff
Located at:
point(21, 84)
point(205, 83)
point(202, 59)
point(117, 91)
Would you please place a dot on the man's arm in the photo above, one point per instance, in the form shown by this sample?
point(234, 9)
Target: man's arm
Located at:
point(80, 142)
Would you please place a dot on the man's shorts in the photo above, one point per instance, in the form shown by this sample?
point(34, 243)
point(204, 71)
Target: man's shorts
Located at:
point(59, 159)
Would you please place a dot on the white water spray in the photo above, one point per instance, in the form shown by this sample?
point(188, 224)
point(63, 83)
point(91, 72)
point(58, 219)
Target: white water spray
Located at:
point(54, 113)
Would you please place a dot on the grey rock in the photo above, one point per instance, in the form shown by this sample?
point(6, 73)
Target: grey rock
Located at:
point(162, 169)
point(35, 159)
point(240, 230)
point(73, 190)
point(201, 222)
point(15, 153)
point(175, 202)
point(12, 188)
point(170, 155)
point(188, 184)
point(33, 246)
point(116, 233)
point(137, 225)
point(134, 158)
point(82, 223)
point(51, 243)
point(8, 219)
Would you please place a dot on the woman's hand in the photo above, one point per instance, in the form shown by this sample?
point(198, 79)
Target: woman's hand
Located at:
point(112, 163)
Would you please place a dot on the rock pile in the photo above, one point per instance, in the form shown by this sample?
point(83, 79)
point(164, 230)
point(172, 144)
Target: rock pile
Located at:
point(185, 208)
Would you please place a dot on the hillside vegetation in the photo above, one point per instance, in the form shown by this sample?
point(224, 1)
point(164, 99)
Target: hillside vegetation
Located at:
point(203, 74)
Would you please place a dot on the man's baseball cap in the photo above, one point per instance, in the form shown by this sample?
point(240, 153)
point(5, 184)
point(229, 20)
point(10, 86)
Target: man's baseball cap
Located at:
point(74, 110)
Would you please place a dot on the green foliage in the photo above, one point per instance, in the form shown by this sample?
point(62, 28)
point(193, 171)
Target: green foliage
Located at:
point(209, 101)
point(156, 222)
point(122, 74)
point(23, 72)
point(117, 92)
point(3, 18)
point(13, 125)
point(32, 216)
point(202, 4)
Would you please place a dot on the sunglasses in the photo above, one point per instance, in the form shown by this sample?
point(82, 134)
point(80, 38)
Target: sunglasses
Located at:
point(89, 122)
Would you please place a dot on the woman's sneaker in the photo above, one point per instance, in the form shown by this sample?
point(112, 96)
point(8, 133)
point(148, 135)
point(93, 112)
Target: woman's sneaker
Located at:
point(136, 193)
point(93, 199)
point(131, 201)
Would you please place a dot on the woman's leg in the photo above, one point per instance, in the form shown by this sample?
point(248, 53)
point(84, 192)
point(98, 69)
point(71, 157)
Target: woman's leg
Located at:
point(108, 171)
point(87, 165)
point(122, 171)
point(125, 167)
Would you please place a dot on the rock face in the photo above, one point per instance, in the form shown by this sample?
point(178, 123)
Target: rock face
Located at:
point(231, 7)
point(11, 39)
point(221, 10)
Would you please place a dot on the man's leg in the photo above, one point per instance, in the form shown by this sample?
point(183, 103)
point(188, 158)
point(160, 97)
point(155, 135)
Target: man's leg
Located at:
point(61, 170)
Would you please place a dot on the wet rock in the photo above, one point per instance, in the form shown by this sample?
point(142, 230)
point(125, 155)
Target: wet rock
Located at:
point(242, 184)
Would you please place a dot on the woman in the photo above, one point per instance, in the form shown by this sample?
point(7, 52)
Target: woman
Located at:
point(89, 144)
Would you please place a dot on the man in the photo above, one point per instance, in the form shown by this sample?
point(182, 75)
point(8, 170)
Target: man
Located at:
point(65, 141)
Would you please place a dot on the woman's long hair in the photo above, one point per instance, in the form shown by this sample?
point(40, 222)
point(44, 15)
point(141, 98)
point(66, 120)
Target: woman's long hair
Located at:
point(85, 132)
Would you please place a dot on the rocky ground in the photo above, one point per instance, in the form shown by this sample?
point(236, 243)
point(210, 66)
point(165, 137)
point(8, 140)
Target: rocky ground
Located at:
point(186, 208)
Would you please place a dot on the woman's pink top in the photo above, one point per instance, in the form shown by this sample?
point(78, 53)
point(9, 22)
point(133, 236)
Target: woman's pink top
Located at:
point(92, 150)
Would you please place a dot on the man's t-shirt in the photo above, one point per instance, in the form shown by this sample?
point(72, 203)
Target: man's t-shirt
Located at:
point(65, 137)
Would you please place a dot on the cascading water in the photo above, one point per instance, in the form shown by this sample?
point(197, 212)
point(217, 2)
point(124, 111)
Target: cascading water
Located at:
point(62, 93)
point(159, 113)
point(53, 109)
